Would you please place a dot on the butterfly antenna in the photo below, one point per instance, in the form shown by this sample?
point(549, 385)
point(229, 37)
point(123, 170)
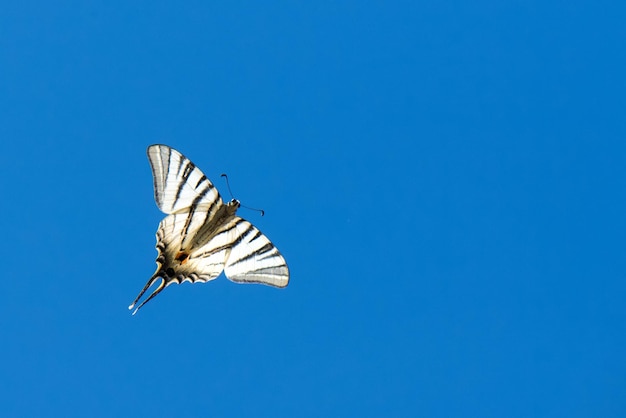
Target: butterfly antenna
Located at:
point(152, 280)
point(233, 197)
point(228, 185)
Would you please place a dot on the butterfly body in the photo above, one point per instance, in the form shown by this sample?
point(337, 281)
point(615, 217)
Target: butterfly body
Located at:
point(202, 236)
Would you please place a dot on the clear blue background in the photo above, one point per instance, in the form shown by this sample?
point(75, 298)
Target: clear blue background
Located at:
point(445, 179)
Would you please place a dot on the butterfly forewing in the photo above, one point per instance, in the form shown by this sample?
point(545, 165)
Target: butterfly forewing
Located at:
point(201, 236)
point(253, 258)
point(178, 183)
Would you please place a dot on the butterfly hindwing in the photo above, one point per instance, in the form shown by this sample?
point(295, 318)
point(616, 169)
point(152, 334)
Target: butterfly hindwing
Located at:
point(189, 263)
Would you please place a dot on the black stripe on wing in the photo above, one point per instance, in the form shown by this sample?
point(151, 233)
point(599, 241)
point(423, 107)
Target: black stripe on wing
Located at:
point(182, 179)
point(194, 206)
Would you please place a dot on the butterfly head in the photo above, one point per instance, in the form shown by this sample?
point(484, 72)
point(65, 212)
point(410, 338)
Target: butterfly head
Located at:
point(233, 205)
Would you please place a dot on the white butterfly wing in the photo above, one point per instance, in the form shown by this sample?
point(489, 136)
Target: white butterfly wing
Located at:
point(253, 258)
point(178, 183)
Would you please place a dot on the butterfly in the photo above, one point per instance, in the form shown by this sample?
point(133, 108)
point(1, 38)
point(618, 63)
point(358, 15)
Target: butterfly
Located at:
point(201, 236)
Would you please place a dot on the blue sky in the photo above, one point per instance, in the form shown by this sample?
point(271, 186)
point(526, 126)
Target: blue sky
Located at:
point(445, 179)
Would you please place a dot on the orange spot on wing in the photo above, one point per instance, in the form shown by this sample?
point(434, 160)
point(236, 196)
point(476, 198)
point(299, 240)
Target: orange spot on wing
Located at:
point(182, 257)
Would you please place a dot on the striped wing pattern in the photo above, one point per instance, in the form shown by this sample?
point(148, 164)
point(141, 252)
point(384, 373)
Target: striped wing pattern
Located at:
point(253, 258)
point(178, 183)
point(202, 236)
